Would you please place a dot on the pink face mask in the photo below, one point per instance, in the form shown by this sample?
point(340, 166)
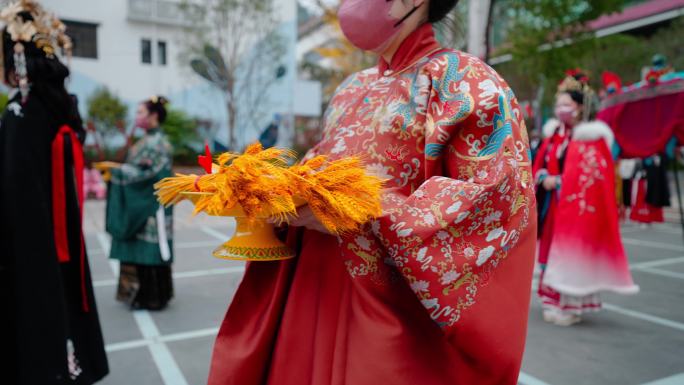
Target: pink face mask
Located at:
point(566, 114)
point(142, 122)
point(368, 23)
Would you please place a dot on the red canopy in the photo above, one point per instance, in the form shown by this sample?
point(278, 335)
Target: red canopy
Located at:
point(644, 119)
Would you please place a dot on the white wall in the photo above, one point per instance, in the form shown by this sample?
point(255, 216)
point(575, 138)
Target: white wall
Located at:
point(316, 38)
point(119, 66)
point(119, 63)
point(307, 98)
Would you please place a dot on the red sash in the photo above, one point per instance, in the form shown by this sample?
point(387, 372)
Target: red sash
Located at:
point(59, 199)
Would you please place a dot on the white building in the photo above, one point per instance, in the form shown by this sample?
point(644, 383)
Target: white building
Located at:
point(315, 33)
point(132, 48)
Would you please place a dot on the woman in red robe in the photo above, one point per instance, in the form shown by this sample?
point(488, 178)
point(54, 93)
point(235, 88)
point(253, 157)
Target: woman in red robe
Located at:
point(436, 291)
point(580, 250)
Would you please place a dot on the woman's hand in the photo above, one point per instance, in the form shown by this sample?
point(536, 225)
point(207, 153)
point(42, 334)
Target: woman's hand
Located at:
point(106, 165)
point(306, 218)
point(106, 169)
point(550, 183)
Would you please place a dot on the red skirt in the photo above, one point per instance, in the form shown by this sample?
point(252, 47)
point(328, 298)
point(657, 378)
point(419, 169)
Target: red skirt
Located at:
point(306, 321)
point(643, 212)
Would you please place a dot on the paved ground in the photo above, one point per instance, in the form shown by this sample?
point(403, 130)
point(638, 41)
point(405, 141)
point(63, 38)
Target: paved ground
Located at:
point(635, 340)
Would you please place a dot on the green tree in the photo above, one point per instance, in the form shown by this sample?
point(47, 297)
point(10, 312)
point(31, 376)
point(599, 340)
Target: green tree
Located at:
point(106, 110)
point(181, 130)
point(547, 37)
point(107, 118)
point(626, 55)
point(4, 99)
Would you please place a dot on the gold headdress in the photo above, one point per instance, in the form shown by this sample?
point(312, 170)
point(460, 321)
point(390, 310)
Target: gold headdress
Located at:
point(46, 31)
point(42, 28)
point(577, 81)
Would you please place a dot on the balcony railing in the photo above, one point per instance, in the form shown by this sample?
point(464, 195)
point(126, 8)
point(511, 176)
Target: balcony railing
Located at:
point(156, 11)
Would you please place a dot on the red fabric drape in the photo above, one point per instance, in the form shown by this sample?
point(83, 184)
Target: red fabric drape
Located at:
point(548, 160)
point(59, 199)
point(643, 127)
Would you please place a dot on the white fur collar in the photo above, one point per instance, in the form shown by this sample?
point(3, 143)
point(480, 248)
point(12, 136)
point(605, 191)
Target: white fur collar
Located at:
point(593, 130)
point(550, 127)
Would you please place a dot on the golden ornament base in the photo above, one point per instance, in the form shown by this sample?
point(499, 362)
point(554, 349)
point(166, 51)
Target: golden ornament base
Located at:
point(253, 240)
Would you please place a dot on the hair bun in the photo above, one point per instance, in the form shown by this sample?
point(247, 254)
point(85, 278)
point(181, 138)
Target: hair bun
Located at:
point(157, 104)
point(158, 99)
point(439, 9)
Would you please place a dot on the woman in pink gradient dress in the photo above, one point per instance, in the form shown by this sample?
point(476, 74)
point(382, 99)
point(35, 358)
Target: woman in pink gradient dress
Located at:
point(580, 250)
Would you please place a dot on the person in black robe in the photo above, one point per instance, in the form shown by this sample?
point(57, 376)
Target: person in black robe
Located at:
point(657, 183)
point(269, 137)
point(49, 327)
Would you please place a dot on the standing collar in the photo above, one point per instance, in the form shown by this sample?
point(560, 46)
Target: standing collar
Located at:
point(417, 45)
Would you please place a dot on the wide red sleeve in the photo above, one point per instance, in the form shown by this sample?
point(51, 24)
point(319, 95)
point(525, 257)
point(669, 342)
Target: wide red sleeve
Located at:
point(449, 237)
point(464, 239)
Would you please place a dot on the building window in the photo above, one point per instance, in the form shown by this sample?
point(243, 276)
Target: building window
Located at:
point(146, 51)
point(161, 52)
point(84, 38)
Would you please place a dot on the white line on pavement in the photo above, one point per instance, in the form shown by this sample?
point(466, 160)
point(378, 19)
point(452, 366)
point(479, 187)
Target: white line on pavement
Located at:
point(526, 379)
point(168, 368)
point(117, 346)
point(669, 230)
point(655, 245)
point(106, 246)
point(633, 313)
point(203, 273)
point(644, 316)
point(179, 245)
point(661, 272)
point(660, 262)
point(630, 230)
point(176, 245)
point(215, 233)
point(677, 379)
point(677, 230)
point(666, 229)
point(193, 245)
point(166, 365)
point(184, 274)
point(105, 282)
point(189, 335)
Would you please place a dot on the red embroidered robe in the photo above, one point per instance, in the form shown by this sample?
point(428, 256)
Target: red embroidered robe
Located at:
point(437, 290)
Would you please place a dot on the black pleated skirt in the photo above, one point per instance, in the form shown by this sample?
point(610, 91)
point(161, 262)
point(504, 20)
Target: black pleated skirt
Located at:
point(145, 287)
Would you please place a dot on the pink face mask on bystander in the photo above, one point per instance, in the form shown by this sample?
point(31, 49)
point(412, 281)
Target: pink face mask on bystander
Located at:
point(142, 122)
point(566, 114)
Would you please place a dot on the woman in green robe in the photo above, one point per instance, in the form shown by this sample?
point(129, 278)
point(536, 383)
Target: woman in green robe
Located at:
point(140, 227)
